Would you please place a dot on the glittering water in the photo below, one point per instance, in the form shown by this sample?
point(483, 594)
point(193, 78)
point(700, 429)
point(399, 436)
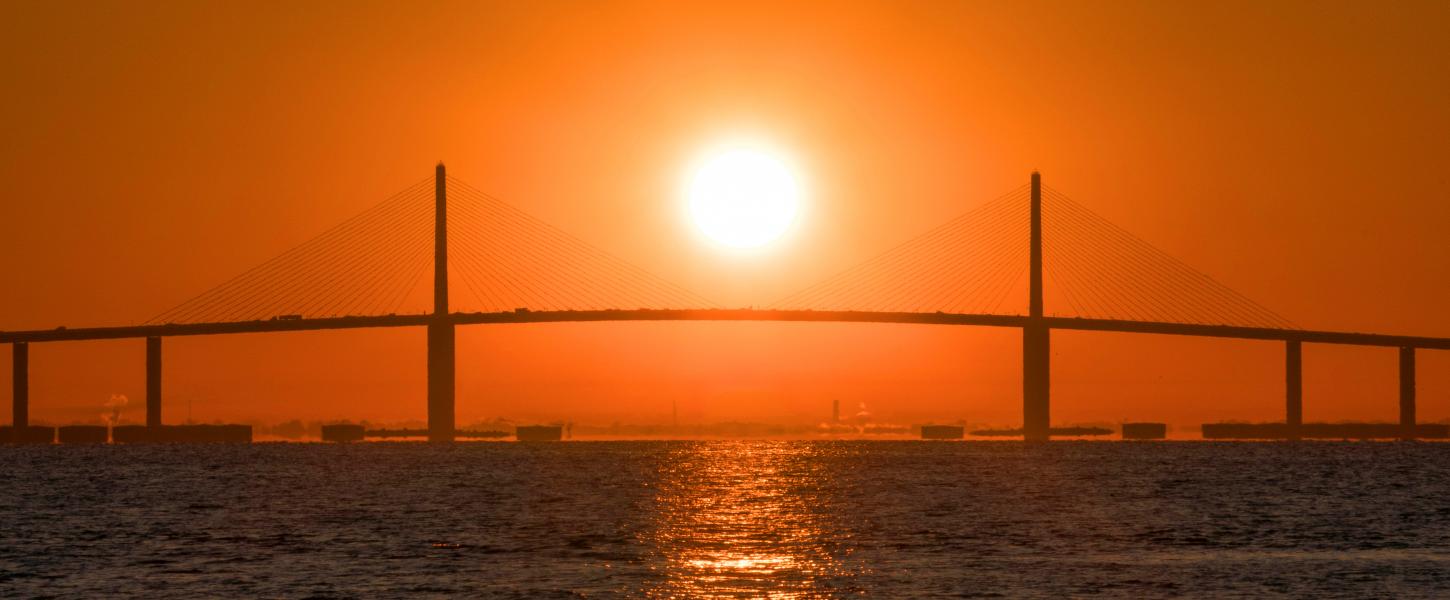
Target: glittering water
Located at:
point(737, 519)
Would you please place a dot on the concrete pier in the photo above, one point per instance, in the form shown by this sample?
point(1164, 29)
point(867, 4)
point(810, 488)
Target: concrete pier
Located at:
point(1036, 402)
point(82, 434)
point(1145, 431)
point(1293, 389)
point(1407, 393)
point(29, 434)
point(153, 382)
point(20, 384)
point(539, 433)
point(1322, 431)
point(440, 382)
point(343, 433)
point(942, 432)
point(181, 434)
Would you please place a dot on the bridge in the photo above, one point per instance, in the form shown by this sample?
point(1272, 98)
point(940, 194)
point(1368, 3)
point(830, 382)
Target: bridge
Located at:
point(517, 269)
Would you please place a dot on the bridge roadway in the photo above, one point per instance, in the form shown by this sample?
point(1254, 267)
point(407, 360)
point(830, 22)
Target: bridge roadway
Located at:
point(804, 316)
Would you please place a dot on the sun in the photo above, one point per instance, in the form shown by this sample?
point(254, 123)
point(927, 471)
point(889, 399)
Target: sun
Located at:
point(743, 197)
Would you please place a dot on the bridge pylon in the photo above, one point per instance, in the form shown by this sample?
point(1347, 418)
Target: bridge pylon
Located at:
point(1036, 338)
point(441, 426)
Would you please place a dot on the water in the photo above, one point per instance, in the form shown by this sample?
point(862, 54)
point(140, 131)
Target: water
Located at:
point(734, 519)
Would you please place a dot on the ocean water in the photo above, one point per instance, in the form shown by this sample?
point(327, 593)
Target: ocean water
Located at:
point(727, 519)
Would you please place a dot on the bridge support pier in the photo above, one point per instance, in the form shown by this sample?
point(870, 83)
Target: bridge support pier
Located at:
point(153, 381)
point(1293, 389)
point(20, 384)
point(1407, 393)
point(441, 425)
point(1036, 383)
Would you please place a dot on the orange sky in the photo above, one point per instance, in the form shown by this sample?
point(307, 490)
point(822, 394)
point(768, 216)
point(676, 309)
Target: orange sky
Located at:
point(1297, 152)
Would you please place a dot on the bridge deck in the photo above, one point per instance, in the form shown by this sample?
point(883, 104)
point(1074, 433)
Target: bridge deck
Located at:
point(807, 316)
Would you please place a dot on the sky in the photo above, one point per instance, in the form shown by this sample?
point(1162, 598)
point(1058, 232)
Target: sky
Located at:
point(1294, 151)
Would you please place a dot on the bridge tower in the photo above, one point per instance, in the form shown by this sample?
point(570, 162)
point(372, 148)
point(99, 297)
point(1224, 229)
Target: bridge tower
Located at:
point(1036, 337)
point(441, 426)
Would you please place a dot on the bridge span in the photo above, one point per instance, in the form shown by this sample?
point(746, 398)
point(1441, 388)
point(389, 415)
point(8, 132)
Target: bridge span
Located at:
point(64, 334)
point(1293, 338)
point(1188, 293)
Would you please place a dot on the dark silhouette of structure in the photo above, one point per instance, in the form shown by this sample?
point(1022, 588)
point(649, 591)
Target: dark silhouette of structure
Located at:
point(1407, 392)
point(181, 434)
point(1036, 337)
point(153, 381)
point(441, 322)
point(29, 434)
point(20, 385)
point(343, 433)
point(1323, 431)
point(942, 432)
point(82, 434)
point(1058, 431)
point(440, 326)
point(1293, 388)
point(425, 433)
point(539, 433)
point(1145, 431)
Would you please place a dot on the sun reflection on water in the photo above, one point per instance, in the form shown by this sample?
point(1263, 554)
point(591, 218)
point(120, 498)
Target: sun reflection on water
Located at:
point(749, 519)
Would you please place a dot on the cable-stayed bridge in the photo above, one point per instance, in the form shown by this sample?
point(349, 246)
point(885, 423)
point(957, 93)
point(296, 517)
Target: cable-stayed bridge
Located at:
point(491, 263)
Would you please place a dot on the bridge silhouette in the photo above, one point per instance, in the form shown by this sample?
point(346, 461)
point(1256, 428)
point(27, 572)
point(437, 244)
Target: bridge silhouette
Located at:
point(515, 268)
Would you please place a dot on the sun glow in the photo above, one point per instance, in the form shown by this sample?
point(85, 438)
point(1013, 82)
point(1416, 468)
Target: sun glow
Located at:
point(743, 197)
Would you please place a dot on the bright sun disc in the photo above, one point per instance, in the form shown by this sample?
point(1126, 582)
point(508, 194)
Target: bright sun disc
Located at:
point(743, 198)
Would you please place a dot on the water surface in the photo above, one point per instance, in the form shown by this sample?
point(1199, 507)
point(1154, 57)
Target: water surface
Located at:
point(729, 519)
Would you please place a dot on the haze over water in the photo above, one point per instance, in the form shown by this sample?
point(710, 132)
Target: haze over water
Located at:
point(728, 519)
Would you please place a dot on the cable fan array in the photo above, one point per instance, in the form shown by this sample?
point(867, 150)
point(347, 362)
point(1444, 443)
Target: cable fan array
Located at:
point(1105, 272)
point(505, 259)
point(977, 263)
point(509, 259)
point(971, 264)
point(373, 264)
point(367, 265)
